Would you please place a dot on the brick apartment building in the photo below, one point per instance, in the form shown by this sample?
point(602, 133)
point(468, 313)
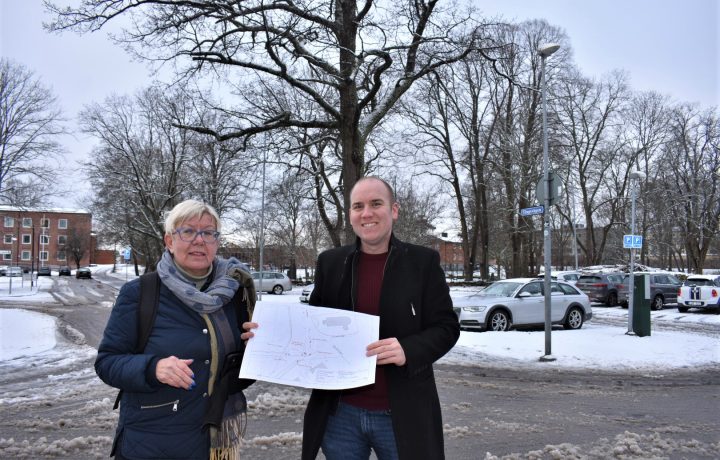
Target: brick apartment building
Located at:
point(33, 237)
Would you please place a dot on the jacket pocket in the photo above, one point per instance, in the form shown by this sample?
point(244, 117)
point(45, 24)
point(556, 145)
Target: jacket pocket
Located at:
point(164, 405)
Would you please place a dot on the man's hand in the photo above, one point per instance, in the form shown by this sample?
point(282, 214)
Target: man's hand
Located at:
point(388, 351)
point(175, 372)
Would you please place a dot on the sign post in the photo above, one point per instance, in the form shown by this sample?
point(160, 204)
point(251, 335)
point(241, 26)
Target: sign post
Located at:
point(126, 256)
point(632, 242)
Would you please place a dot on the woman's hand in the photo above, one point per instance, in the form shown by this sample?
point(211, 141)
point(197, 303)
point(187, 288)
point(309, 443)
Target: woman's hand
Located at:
point(175, 372)
point(388, 351)
point(248, 334)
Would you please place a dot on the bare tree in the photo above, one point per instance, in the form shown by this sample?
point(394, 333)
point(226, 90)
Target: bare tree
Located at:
point(284, 210)
point(589, 141)
point(419, 210)
point(77, 245)
point(30, 124)
point(351, 62)
point(140, 164)
point(690, 177)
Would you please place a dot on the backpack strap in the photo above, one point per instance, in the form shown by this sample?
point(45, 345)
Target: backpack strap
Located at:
point(149, 300)
point(147, 311)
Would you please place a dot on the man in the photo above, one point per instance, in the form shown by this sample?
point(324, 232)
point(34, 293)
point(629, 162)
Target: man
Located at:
point(399, 415)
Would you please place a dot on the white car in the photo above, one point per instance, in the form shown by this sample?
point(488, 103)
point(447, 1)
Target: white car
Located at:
point(14, 271)
point(518, 302)
point(272, 282)
point(306, 292)
point(699, 291)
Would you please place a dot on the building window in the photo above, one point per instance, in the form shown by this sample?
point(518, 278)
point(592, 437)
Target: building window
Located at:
point(62, 239)
point(27, 222)
point(7, 256)
point(45, 223)
point(26, 238)
point(44, 256)
point(8, 239)
point(9, 221)
point(25, 255)
point(62, 223)
point(61, 255)
point(44, 239)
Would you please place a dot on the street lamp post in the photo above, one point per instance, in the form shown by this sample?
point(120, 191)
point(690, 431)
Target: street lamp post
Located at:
point(12, 255)
point(544, 51)
point(635, 178)
point(262, 229)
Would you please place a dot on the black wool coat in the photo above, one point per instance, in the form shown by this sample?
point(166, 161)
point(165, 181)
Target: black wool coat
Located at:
point(415, 307)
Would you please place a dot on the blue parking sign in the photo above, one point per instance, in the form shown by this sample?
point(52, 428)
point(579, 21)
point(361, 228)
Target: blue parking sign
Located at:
point(126, 254)
point(632, 241)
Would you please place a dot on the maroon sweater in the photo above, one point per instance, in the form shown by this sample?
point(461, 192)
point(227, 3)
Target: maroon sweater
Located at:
point(371, 268)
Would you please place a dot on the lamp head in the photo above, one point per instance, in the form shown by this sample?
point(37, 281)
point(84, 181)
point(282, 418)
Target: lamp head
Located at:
point(547, 49)
point(637, 175)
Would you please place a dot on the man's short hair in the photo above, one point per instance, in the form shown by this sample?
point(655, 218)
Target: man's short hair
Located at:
point(384, 182)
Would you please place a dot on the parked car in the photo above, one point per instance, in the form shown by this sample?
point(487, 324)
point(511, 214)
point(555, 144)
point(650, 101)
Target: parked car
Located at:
point(520, 302)
point(605, 288)
point(272, 282)
point(14, 271)
point(699, 291)
point(664, 289)
point(83, 272)
point(3, 270)
point(64, 271)
point(306, 292)
point(567, 276)
point(43, 271)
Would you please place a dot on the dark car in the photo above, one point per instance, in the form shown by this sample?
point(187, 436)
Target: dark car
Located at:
point(664, 288)
point(605, 288)
point(64, 271)
point(83, 273)
point(43, 271)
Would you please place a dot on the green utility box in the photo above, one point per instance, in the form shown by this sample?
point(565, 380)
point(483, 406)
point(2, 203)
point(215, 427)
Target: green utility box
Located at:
point(641, 305)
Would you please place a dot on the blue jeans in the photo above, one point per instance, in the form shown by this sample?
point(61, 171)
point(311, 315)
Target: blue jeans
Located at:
point(352, 432)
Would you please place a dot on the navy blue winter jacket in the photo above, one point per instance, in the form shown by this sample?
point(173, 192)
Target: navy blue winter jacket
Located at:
point(157, 420)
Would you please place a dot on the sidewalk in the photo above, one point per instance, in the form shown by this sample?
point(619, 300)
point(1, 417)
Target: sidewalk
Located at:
point(24, 287)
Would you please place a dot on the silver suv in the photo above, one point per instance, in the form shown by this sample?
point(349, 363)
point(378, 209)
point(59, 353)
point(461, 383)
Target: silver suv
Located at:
point(272, 282)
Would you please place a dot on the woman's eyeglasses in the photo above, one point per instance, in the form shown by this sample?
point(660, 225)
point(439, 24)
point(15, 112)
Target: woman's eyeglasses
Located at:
point(189, 234)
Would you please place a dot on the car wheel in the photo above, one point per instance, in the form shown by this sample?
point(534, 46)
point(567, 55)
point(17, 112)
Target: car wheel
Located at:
point(657, 303)
point(573, 319)
point(277, 290)
point(611, 299)
point(683, 309)
point(499, 321)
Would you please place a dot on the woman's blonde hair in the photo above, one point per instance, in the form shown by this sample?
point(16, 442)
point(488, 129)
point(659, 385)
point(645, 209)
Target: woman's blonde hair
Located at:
point(189, 209)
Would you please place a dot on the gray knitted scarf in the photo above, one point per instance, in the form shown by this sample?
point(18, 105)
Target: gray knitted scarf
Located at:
point(221, 290)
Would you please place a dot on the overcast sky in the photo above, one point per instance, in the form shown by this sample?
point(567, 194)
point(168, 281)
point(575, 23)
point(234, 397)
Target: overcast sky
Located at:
point(669, 46)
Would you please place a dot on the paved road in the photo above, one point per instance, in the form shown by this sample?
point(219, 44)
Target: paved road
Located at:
point(61, 410)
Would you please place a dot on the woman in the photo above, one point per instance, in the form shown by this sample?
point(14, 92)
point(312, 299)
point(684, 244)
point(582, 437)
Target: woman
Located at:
point(180, 396)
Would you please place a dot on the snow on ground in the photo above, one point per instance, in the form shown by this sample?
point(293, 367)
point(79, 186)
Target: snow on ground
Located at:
point(597, 345)
point(29, 341)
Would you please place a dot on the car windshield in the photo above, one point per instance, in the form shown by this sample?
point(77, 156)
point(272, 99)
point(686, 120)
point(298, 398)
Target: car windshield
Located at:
point(502, 289)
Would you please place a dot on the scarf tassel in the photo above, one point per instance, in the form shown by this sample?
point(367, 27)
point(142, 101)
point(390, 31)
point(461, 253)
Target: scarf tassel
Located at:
point(226, 441)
